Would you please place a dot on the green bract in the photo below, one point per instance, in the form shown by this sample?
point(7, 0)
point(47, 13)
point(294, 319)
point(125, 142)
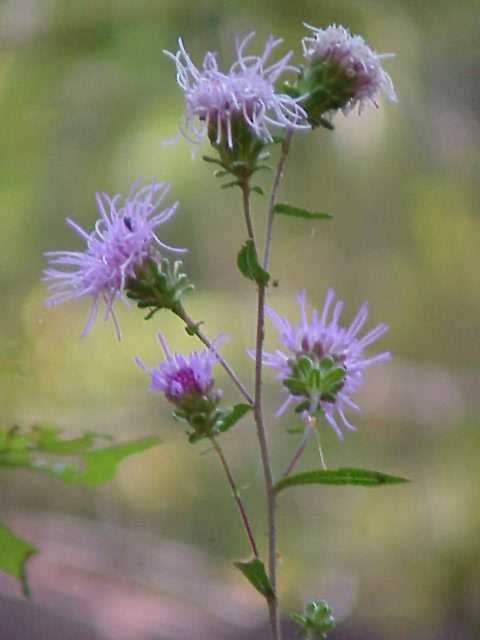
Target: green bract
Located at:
point(316, 620)
point(158, 286)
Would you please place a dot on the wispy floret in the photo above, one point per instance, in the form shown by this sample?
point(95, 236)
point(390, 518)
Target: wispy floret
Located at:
point(187, 382)
point(353, 74)
point(180, 377)
point(123, 238)
point(215, 101)
point(325, 362)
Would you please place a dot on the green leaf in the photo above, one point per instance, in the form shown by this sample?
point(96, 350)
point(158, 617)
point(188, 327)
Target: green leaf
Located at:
point(258, 190)
point(14, 553)
point(231, 416)
point(42, 449)
point(228, 185)
point(248, 264)
point(100, 465)
point(297, 212)
point(254, 571)
point(348, 476)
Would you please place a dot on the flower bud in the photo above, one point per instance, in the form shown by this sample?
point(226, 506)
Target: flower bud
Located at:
point(157, 286)
point(316, 620)
point(341, 72)
point(187, 382)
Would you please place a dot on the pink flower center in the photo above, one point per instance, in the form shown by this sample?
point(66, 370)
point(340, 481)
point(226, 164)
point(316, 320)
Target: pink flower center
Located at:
point(182, 383)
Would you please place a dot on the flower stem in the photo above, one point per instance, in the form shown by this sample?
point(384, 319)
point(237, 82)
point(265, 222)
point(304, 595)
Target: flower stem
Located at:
point(323, 462)
point(236, 495)
point(301, 448)
point(245, 187)
point(287, 141)
point(194, 329)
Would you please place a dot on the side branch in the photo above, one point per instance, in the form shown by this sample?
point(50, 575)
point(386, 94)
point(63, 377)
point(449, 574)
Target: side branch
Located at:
point(273, 196)
point(236, 495)
point(194, 329)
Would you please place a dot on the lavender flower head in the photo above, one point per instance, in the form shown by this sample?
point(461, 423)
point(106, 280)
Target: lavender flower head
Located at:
point(215, 100)
point(360, 66)
point(123, 237)
point(180, 377)
point(324, 338)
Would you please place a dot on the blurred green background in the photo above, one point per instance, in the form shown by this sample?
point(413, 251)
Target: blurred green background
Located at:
point(86, 99)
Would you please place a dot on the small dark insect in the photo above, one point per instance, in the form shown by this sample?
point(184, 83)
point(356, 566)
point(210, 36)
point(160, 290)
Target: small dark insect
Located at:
point(276, 283)
point(128, 223)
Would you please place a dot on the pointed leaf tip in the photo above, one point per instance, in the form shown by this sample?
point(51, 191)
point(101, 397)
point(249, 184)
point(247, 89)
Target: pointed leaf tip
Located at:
point(231, 416)
point(254, 571)
point(248, 265)
point(14, 553)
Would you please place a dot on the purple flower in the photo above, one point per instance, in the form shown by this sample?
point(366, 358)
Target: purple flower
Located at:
point(122, 238)
point(320, 338)
point(360, 67)
point(179, 377)
point(214, 100)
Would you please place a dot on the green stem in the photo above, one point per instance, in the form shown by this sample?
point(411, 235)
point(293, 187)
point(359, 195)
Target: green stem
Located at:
point(245, 187)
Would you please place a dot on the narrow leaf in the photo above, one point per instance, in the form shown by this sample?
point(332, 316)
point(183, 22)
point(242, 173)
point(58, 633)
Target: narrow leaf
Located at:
point(254, 571)
point(258, 190)
point(297, 212)
point(231, 417)
point(360, 477)
point(228, 185)
point(248, 264)
point(14, 553)
point(212, 160)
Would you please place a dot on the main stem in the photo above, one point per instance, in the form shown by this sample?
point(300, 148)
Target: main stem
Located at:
point(236, 495)
point(261, 430)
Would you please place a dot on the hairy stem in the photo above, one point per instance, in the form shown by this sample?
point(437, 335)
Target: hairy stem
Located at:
point(194, 329)
point(236, 495)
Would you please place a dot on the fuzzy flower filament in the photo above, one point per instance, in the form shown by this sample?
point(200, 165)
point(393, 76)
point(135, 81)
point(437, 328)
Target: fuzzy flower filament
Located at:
point(218, 103)
point(341, 73)
point(324, 362)
point(123, 238)
point(187, 382)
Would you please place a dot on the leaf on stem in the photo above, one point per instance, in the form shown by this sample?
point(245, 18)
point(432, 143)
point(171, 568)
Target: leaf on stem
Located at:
point(297, 212)
point(231, 416)
point(248, 264)
point(360, 477)
point(254, 571)
point(14, 553)
point(43, 449)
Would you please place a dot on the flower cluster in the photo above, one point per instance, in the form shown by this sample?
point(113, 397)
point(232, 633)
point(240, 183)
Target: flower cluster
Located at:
point(324, 341)
point(215, 101)
point(123, 238)
point(351, 72)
